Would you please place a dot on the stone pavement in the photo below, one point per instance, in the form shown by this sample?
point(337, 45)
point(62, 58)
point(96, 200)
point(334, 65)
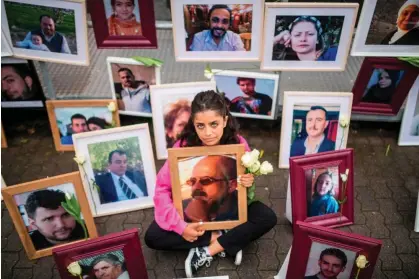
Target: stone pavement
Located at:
point(385, 186)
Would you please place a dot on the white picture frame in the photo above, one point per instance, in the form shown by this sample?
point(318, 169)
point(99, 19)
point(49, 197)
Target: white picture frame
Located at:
point(78, 6)
point(6, 47)
point(359, 47)
point(141, 132)
point(410, 112)
point(162, 95)
point(180, 35)
point(339, 103)
point(234, 90)
point(272, 10)
point(130, 63)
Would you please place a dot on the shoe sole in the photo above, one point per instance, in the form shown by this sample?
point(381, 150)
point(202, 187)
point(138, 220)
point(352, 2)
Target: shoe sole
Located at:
point(238, 259)
point(188, 268)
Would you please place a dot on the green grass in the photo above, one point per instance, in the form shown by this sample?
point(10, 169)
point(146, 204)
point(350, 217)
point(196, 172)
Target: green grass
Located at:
point(26, 17)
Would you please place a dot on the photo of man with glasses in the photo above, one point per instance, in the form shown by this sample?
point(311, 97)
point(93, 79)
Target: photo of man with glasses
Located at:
point(225, 23)
point(213, 186)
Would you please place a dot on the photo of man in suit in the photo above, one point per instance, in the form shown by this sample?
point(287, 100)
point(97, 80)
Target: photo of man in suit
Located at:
point(332, 262)
point(315, 141)
point(213, 190)
point(119, 184)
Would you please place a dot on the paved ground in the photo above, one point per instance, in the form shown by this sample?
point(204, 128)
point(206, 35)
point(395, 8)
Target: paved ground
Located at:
point(386, 190)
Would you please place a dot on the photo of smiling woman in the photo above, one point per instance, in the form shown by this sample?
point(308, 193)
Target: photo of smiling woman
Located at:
point(307, 38)
point(322, 191)
point(123, 17)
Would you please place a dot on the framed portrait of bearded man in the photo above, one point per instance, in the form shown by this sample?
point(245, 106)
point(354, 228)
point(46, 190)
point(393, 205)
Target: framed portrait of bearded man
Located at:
point(214, 30)
point(205, 187)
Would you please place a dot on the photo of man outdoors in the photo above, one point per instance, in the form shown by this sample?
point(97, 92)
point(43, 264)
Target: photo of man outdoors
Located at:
point(213, 186)
point(332, 262)
point(49, 223)
point(135, 94)
point(19, 82)
point(218, 27)
point(78, 125)
point(315, 141)
point(251, 102)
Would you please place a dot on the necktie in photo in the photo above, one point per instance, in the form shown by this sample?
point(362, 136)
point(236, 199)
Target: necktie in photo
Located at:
point(127, 191)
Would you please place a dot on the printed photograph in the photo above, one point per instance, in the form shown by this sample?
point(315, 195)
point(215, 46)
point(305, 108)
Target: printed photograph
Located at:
point(132, 87)
point(176, 116)
point(218, 27)
point(322, 186)
point(414, 131)
point(109, 265)
point(118, 170)
point(123, 17)
point(382, 86)
point(314, 128)
point(394, 23)
point(307, 38)
point(209, 188)
point(20, 86)
point(42, 28)
point(46, 221)
point(246, 95)
point(75, 120)
point(327, 261)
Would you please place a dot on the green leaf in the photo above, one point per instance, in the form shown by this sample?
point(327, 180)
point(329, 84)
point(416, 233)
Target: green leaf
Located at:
point(412, 60)
point(68, 209)
point(343, 201)
point(261, 153)
point(148, 61)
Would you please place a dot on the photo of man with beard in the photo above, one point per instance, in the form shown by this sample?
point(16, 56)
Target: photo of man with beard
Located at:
point(220, 36)
point(213, 190)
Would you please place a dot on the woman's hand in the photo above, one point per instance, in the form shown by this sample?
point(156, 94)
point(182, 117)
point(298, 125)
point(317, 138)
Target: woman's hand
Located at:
point(283, 38)
point(192, 232)
point(246, 180)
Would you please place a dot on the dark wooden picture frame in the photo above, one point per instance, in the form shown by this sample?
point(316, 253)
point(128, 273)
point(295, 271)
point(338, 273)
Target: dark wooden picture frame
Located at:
point(343, 159)
point(128, 241)
point(306, 234)
point(148, 39)
point(401, 90)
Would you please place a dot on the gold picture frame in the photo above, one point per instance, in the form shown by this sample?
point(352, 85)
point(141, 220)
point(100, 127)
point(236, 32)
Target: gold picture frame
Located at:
point(178, 154)
point(73, 178)
point(52, 105)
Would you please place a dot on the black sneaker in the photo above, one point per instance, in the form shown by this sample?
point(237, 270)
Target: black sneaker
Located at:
point(197, 257)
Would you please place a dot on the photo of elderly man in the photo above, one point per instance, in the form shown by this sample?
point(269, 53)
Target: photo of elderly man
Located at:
point(108, 266)
point(213, 184)
point(218, 27)
point(47, 221)
point(315, 137)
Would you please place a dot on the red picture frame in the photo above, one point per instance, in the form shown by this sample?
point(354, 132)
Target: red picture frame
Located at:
point(301, 195)
point(305, 235)
point(148, 39)
point(401, 90)
point(128, 241)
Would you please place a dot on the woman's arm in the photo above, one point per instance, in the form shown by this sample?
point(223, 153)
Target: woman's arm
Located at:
point(165, 212)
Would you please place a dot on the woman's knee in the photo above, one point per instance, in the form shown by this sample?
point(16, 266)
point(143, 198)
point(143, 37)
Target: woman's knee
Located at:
point(150, 237)
point(263, 215)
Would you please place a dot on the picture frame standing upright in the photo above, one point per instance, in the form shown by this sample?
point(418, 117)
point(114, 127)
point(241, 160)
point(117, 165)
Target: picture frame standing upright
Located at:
point(47, 30)
point(409, 130)
point(382, 30)
point(114, 27)
point(307, 36)
point(214, 30)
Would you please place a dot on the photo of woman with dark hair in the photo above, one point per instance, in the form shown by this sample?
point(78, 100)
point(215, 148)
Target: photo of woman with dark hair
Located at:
point(383, 90)
point(323, 201)
point(307, 38)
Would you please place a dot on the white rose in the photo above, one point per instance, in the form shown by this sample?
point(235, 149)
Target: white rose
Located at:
point(344, 177)
point(248, 160)
point(255, 154)
point(68, 196)
point(361, 261)
point(266, 168)
point(74, 268)
point(344, 122)
point(79, 159)
point(112, 106)
point(255, 167)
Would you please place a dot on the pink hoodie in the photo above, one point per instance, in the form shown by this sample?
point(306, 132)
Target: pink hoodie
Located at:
point(165, 212)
